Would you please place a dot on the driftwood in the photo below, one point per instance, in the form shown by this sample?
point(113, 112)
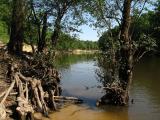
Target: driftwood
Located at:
point(64, 98)
point(67, 99)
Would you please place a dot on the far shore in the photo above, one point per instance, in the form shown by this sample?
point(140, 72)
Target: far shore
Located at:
point(78, 51)
point(28, 48)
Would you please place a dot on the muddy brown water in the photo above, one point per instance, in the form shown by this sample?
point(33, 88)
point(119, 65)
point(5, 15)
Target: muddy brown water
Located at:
point(79, 79)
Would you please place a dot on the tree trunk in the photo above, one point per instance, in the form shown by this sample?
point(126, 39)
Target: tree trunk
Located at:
point(126, 62)
point(16, 37)
point(42, 40)
point(61, 10)
point(57, 29)
point(55, 34)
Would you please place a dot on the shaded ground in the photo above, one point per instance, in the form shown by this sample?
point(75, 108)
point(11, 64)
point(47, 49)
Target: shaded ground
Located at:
point(16, 76)
point(3, 68)
point(3, 81)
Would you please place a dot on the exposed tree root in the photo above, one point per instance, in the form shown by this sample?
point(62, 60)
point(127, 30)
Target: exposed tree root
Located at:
point(34, 86)
point(115, 95)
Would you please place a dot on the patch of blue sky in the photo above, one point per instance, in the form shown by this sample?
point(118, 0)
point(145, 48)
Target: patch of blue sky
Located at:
point(88, 33)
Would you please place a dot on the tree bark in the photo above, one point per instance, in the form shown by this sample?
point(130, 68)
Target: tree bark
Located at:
point(57, 29)
point(17, 29)
point(41, 33)
point(42, 40)
point(126, 52)
point(62, 8)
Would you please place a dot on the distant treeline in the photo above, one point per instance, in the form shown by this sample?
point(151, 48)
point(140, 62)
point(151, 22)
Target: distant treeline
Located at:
point(66, 41)
point(44, 23)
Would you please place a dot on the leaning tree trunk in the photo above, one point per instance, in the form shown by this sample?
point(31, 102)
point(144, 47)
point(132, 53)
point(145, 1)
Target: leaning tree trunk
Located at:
point(126, 54)
point(16, 37)
point(61, 11)
point(57, 29)
point(55, 34)
point(42, 40)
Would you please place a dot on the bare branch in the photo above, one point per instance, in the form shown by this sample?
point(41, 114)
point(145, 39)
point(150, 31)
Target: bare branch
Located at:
point(141, 56)
point(138, 16)
point(118, 6)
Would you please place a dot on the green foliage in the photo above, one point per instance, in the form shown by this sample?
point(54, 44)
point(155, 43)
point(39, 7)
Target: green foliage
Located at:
point(142, 34)
point(155, 19)
point(3, 32)
point(5, 15)
point(144, 31)
point(5, 8)
point(67, 42)
point(147, 42)
point(109, 40)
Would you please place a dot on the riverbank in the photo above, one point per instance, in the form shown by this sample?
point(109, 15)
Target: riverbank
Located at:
point(22, 75)
point(17, 82)
point(78, 52)
point(28, 48)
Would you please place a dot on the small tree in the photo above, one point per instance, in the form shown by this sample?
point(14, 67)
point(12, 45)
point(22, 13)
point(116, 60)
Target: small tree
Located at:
point(121, 48)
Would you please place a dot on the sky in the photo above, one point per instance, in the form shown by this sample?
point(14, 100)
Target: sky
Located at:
point(88, 33)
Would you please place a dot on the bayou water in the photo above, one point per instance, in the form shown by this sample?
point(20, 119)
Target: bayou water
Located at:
point(79, 79)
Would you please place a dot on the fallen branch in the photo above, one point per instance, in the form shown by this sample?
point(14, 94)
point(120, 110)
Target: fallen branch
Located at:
point(8, 91)
point(67, 99)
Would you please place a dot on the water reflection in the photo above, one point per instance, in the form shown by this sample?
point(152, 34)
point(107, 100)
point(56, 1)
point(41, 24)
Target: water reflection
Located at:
point(79, 79)
point(65, 60)
point(145, 89)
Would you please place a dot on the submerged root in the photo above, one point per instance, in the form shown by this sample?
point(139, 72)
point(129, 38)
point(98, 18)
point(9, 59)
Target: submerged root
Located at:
point(115, 95)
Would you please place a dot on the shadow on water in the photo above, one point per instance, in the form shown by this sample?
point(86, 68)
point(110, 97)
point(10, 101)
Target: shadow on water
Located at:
point(79, 79)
